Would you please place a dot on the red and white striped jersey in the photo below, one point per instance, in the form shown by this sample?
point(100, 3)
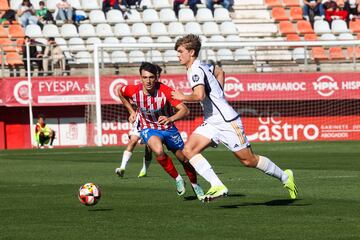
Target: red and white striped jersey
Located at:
point(151, 107)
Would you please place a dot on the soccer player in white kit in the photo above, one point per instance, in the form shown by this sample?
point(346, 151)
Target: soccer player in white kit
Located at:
point(221, 123)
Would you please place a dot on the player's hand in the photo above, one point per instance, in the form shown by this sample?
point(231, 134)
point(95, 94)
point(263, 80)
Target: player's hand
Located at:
point(132, 117)
point(177, 95)
point(163, 120)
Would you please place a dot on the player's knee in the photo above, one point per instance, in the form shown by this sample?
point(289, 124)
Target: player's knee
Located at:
point(130, 147)
point(41, 135)
point(158, 152)
point(188, 152)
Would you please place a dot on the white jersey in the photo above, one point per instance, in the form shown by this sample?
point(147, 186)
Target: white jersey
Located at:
point(216, 107)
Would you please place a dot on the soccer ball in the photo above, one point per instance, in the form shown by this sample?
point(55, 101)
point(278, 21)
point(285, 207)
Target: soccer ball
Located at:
point(89, 194)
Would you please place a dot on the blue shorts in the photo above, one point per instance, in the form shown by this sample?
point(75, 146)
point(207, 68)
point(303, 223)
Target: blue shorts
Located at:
point(170, 137)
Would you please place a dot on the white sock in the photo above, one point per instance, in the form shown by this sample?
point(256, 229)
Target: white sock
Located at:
point(270, 168)
point(194, 185)
point(178, 178)
point(146, 165)
point(204, 169)
point(125, 158)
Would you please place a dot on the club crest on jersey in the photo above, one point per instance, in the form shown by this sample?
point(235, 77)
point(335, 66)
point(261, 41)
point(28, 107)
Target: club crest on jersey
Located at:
point(195, 78)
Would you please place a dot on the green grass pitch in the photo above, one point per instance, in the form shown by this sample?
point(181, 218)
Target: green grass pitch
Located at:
point(38, 196)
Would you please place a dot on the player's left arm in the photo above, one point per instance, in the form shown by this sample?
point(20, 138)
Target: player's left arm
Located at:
point(181, 112)
point(219, 75)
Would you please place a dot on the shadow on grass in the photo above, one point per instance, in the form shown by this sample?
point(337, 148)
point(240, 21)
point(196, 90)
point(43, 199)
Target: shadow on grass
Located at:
point(191, 198)
point(278, 202)
point(101, 210)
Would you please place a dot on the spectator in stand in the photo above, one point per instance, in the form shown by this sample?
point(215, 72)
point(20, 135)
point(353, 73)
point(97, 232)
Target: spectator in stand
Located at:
point(225, 3)
point(110, 4)
point(53, 52)
point(313, 8)
point(8, 15)
point(35, 55)
point(335, 11)
point(190, 3)
point(129, 3)
point(353, 9)
point(43, 14)
point(26, 13)
point(65, 11)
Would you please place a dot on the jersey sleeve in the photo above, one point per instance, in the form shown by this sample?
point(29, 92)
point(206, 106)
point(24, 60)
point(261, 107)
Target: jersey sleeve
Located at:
point(128, 90)
point(196, 77)
point(167, 91)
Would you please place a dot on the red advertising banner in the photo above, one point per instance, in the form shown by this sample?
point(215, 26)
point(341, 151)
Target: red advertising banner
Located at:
point(2, 102)
point(262, 129)
point(302, 128)
point(57, 91)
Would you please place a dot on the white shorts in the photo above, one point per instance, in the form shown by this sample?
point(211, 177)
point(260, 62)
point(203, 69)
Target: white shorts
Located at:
point(231, 134)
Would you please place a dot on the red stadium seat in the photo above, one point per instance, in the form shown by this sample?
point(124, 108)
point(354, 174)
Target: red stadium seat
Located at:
point(279, 14)
point(291, 3)
point(286, 27)
point(3, 33)
point(304, 27)
point(355, 26)
point(310, 37)
point(293, 37)
point(318, 53)
point(353, 52)
point(273, 3)
point(4, 5)
point(16, 31)
point(7, 45)
point(13, 59)
point(296, 13)
point(336, 53)
point(19, 44)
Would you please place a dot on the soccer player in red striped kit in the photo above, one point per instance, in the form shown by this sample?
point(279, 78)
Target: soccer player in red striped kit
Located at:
point(155, 107)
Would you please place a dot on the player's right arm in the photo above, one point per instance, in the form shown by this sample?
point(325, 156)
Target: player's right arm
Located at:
point(123, 95)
